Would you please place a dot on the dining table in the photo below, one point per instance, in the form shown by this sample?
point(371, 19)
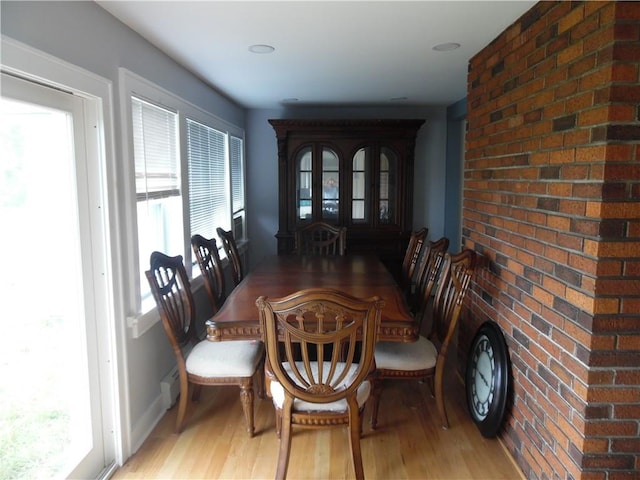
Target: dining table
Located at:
point(277, 276)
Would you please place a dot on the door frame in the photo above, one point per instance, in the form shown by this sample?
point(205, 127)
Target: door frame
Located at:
point(26, 62)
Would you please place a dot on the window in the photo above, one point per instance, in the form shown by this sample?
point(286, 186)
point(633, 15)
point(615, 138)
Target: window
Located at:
point(208, 197)
point(187, 168)
point(157, 173)
point(236, 154)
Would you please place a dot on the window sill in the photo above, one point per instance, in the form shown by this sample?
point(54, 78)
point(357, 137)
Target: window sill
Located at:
point(142, 323)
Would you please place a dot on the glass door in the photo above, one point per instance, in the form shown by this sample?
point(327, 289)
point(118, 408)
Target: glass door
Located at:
point(53, 417)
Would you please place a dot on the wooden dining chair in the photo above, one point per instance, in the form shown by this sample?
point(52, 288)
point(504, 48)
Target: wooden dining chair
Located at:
point(411, 257)
point(320, 238)
point(233, 254)
point(426, 357)
point(427, 276)
point(327, 385)
point(200, 362)
point(208, 258)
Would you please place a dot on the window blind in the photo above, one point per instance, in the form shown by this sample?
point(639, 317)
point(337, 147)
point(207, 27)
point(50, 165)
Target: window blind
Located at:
point(237, 173)
point(157, 169)
point(208, 185)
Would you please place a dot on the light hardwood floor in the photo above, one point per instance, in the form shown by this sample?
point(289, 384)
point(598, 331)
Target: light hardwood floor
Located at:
point(408, 444)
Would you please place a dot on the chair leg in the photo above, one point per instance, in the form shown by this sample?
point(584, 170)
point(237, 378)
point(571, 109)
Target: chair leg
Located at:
point(278, 422)
point(375, 402)
point(182, 405)
point(432, 387)
point(246, 398)
point(261, 380)
point(354, 437)
point(195, 395)
point(285, 440)
point(439, 390)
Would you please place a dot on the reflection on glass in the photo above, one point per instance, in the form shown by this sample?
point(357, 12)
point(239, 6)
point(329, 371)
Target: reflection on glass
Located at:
point(358, 196)
point(304, 183)
point(330, 184)
point(388, 165)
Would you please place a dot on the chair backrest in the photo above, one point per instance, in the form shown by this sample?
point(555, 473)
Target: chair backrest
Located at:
point(326, 338)
point(452, 289)
point(320, 238)
point(412, 255)
point(428, 274)
point(231, 249)
point(172, 292)
point(208, 258)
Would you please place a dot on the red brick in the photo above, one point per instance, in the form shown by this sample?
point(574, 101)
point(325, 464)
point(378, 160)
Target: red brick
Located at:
point(624, 72)
point(627, 11)
point(594, 116)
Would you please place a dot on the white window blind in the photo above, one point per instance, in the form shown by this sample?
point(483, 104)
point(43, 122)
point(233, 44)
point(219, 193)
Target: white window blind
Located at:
point(236, 154)
point(155, 150)
point(237, 173)
point(208, 184)
point(157, 174)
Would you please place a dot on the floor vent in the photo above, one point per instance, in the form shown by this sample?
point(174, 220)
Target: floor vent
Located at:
point(170, 388)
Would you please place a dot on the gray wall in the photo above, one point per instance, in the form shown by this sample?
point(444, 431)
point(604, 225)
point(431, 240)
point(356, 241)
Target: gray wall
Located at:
point(85, 35)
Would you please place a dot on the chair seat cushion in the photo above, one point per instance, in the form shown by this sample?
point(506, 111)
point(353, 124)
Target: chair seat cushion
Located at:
point(225, 359)
point(418, 355)
point(278, 392)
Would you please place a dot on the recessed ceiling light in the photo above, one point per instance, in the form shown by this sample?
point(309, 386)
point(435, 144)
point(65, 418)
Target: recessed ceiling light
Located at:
point(261, 48)
point(446, 47)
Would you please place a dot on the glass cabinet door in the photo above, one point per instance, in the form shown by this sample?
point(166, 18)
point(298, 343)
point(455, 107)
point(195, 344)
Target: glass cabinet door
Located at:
point(318, 184)
point(384, 196)
point(359, 207)
point(330, 184)
point(387, 189)
point(304, 184)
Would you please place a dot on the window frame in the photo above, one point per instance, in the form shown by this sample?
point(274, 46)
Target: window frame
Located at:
point(142, 312)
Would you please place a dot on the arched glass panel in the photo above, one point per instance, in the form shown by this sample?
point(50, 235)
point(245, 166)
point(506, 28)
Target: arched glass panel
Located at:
point(359, 194)
point(304, 183)
point(330, 184)
point(388, 185)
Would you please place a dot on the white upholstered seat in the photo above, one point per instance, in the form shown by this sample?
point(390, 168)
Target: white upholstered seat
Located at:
point(419, 355)
point(225, 359)
point(277, 391)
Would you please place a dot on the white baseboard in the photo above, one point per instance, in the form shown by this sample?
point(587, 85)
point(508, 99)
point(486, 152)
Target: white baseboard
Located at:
point(146, 423)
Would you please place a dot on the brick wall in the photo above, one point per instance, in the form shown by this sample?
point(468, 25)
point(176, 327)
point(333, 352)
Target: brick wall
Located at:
point(552, 201)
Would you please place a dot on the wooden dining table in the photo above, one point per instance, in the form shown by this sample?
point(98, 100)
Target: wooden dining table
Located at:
point(280, 275)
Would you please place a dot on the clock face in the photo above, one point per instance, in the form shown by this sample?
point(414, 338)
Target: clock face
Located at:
point(483, 386)
point(487, 378)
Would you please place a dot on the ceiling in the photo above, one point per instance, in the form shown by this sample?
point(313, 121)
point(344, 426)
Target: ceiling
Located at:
point(327, 53)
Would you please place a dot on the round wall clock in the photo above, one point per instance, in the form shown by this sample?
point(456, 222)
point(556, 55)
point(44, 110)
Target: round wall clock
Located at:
point(487, 378)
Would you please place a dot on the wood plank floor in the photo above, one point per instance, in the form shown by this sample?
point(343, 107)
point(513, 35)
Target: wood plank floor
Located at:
point(408, 444)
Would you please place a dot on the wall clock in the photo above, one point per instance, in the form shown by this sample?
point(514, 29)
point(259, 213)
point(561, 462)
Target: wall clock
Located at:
point(487, 378)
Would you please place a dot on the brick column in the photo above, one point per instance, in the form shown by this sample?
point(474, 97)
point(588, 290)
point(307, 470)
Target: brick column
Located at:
point(552, 201)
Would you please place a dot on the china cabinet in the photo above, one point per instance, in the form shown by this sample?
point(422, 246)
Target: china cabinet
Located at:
point(356, 174)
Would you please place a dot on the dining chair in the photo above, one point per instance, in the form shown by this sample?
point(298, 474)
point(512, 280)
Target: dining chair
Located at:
point(200, 362)
point(320, 238)
point(426, 357)
point(411, 257)
point(208, 258)
point(328, 384)
point(427, 276)
point(231, 250)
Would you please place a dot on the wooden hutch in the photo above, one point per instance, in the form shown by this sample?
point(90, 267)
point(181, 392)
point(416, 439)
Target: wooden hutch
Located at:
point(352, 173)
